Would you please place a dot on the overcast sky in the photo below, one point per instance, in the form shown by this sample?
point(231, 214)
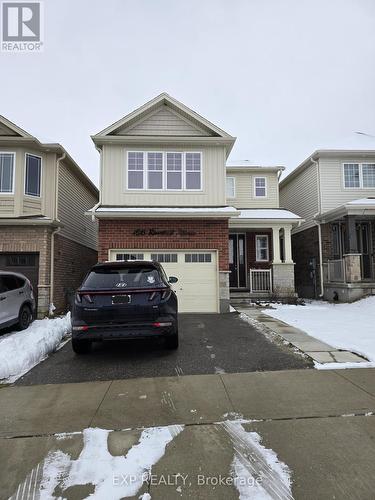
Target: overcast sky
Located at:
point(284, 76)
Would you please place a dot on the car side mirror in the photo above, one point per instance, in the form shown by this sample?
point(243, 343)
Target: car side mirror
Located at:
point(172, 279)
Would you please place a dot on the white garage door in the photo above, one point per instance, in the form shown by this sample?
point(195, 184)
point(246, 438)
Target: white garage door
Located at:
point(197, 287)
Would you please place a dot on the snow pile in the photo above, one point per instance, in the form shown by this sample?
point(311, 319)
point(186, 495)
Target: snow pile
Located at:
point(349, 327)
point(20, 351)
point(258, 473)
point(114, 477)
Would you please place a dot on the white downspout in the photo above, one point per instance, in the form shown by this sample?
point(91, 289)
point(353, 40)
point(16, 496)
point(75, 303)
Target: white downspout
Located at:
point(52, 266)
point(100, 184)
point(319, 231)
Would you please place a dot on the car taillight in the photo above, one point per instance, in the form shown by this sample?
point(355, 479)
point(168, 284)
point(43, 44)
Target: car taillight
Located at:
point(80, 328)
point(30, 285)
point(152, 296)
point(88, 298)
point(166, 323)
point(78, 298)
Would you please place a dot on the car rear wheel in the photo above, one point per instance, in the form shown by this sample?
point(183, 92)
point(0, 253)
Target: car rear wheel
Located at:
point(171, 342)
point(81, 346)
point(24, 317)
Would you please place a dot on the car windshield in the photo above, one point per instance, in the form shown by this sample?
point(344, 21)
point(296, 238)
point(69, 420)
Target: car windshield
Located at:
point(123, 278)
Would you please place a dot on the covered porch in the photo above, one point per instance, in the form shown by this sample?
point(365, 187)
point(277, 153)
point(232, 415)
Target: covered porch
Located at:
point(260, 253)
point(348, 254)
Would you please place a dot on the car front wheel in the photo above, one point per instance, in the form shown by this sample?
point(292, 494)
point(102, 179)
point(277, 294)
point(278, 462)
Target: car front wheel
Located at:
point(81, 346)
point(24, 317)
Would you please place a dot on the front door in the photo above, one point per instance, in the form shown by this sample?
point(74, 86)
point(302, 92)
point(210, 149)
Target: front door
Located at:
point(364, 248)
point(237, 261)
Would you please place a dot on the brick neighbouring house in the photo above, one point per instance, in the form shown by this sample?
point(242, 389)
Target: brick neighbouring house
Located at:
point(165, 196)
point(43, 198)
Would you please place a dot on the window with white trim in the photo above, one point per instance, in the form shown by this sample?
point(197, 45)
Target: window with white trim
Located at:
point(260, 187)
point(262, 248)
point(352, 175)
point(33, 174)
point(164, 257)
point(6, 172)
point(129, 256)
point(155, 170)
point(135, 170)
point(174, 171)
point(193, 171)
point(164, 171)
point(231, 187)
point(368, 175)
point(197, 258)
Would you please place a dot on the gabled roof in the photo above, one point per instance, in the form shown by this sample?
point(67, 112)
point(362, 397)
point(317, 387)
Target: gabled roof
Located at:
point(10, 133)
point(8, 128)
point(167, 100)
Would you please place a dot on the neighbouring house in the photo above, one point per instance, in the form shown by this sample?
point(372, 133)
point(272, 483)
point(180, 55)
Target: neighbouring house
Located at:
point(44, 232)
point(334, 192)
point(167, 195)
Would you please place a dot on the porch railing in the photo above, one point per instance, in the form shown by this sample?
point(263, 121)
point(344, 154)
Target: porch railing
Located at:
point(336, 271)
point(260, 281)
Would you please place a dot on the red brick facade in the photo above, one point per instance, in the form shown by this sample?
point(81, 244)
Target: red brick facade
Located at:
point(185, 234)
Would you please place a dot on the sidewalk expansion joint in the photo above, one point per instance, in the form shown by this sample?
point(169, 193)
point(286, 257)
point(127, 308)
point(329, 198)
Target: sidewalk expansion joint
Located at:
point(249, 420)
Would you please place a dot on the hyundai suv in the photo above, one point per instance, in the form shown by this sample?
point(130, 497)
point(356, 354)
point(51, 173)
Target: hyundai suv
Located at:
point(124, 300)
point(17, 302)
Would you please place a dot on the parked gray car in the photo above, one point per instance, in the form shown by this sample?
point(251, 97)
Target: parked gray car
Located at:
point(17, 302)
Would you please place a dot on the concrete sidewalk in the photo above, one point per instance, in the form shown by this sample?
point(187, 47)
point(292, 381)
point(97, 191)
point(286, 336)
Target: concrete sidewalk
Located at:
point(319, 423)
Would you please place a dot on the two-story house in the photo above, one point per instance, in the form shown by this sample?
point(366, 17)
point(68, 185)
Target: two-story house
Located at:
point(334, 192)
point(167, 195)
point(44, 233)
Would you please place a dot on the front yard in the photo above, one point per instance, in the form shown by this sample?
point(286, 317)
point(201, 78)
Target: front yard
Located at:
point(344, 326)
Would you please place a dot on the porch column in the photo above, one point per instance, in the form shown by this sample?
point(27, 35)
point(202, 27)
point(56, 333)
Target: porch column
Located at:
point(276, 245)
point(351, 235)
point(288, 245)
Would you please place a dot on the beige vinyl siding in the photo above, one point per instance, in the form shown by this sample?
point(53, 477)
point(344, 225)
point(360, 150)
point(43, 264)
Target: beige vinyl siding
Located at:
point(19, 204)
point(244, 190)
point(332, 182)
point(301, 196)
point(114, 179)
point(74, 199)
point(162, 122)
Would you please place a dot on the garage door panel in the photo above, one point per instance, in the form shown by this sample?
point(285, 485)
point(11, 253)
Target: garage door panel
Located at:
point(196, 271)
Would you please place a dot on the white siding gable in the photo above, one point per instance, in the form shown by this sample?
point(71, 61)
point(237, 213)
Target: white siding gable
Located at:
point(163, 122)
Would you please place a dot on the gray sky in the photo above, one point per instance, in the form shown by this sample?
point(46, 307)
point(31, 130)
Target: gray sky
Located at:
point(284, 76)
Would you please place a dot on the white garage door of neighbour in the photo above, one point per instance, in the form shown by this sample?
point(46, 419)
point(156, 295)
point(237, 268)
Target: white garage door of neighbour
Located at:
point(197, 287)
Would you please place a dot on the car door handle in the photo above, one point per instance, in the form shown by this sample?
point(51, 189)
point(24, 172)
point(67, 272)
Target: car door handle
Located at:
point(2, 298)
point(20, 292)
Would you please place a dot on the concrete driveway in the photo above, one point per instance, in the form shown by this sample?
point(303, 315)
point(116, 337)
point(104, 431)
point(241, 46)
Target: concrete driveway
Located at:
point(209, 344)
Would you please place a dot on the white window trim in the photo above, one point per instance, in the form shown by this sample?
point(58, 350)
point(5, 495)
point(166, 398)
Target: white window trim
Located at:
point(164, 189)
point(360, 166)
point(265, 186)
point(144, 171)
point(33, 196)
point(10, 193)
point(257, 236)
point(145, 178)
point(234, 187)
point(201, 171)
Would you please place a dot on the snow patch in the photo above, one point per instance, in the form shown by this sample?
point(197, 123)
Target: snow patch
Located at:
point(96, 466)
point(258, 472)
point(21, 351)
point(344, 326)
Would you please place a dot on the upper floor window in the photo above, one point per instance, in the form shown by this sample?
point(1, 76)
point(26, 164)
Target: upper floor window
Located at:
point(33, 173)
point(231, 187)
point(260, 187)
point(6, 172)
point(173, 171)
point(359, 175)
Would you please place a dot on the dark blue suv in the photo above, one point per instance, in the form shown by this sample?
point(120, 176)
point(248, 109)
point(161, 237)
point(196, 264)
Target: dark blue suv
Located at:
point(124, 300)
